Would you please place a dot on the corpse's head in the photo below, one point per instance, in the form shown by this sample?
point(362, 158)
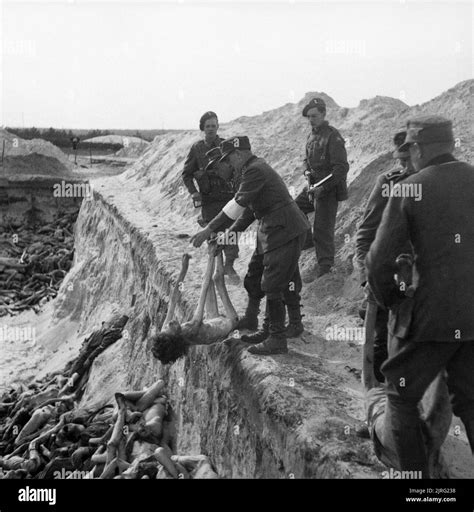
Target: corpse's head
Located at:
point(169, 345)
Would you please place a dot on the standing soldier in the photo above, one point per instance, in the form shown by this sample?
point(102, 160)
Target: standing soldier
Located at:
point(281, 234)
point(215, 182)
point(325, 156)
point(366, 235)
point(433, 330)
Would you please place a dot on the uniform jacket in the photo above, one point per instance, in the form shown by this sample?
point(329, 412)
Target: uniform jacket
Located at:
point(326, 154)
point(196, 161)
point(266, 198)
point(373, 215)
point(440, 228)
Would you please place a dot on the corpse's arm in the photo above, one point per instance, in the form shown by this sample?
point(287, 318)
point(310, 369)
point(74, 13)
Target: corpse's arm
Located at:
point(390, 241)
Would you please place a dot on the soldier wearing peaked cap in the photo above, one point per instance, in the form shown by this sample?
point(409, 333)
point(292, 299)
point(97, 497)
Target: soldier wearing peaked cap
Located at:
point(378, 199)
point(325, 156)
point(282, 227)
point(215, 182)
point(440, 332)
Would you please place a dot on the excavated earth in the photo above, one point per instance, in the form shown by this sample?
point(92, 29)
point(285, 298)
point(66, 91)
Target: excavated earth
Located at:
point(286, 416)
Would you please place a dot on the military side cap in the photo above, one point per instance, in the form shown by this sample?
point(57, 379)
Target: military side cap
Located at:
point(314, 103)
point(398, 140)
point(229, 145)
point(428, 129)
point(214, 156)
point(208, 115)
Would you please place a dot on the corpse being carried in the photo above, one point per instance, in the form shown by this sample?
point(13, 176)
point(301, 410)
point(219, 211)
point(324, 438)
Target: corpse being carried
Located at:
point(175, 338)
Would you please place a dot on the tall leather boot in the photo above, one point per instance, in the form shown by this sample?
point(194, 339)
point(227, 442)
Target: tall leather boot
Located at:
point(295, 326)
point(260, 335)
point(276, 341)
point(250, 319)
point(407, 436)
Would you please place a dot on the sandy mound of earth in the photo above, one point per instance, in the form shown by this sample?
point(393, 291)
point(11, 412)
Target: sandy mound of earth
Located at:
point(133, 147)
point(14, 146)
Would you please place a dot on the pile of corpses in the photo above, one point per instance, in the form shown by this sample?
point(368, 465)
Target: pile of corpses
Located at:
point(33, 263)
point(44, 434)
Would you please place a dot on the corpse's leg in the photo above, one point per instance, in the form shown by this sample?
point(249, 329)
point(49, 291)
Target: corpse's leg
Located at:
point(199, 313)
point(176, 290)
point(212, 310)
point(230, 312)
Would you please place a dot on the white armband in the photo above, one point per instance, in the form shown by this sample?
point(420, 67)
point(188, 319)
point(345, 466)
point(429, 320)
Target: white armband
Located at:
point(233, 209)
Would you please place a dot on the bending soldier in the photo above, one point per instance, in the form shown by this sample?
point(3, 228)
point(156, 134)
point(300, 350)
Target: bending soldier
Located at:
point(215, 182)
point(281, 233)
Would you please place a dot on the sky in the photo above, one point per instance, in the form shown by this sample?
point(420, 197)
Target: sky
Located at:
point(162, 64)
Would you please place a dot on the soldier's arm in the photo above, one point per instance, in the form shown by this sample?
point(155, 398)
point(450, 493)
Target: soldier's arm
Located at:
point(190, 167)
point(243, 222)
point(338, 160)
point(390, 241)
point(253, 181)
point(368, 227)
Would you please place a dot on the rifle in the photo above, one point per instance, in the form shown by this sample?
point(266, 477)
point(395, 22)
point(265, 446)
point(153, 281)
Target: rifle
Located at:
point(312, 188)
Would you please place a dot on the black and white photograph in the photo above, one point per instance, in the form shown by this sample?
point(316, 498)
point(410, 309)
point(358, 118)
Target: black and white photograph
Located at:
point(236, 243)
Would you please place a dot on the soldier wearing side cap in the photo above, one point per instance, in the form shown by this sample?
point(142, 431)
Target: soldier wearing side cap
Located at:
point(282, 228)
point(215, 182)
point(440, 335)
point(366, 235)
point(325, 156)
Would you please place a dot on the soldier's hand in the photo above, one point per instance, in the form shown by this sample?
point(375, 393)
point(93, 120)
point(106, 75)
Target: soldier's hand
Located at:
point(196, 196)
point(200, 237)
point(318, 192)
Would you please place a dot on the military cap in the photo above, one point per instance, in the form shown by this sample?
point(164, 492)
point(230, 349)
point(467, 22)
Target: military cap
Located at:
point(205, 117)
point(214, 155)
point(229, 145)
point(314, 103)
point(426, 130)
point(398, 140)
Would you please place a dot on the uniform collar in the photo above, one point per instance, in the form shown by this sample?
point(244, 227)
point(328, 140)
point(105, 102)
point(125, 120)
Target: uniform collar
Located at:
point(441, 159)
point(324, 124)
point(213, 144)
point(250, 159)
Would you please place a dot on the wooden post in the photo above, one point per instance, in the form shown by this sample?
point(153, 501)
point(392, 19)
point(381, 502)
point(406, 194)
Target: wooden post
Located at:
point(90, 151)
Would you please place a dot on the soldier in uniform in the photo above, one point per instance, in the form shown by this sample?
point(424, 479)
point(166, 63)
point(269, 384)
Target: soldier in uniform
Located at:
point(434, 330)
point(366, 235)
point(215, 183)
point(325, 155)
point(282, 228)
